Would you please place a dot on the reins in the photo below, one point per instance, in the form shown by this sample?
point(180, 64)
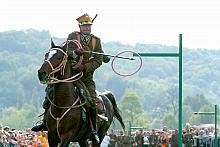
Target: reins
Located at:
point(62, 64)
point(65, 107)
point(61, 67)
point(52, 80)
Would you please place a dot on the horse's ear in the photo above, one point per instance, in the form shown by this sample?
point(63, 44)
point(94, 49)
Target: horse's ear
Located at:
point(52, 43)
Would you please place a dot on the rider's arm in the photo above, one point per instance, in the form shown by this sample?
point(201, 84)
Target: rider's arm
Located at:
point(97, 61)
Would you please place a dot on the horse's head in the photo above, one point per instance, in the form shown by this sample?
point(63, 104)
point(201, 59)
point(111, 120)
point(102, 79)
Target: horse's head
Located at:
point(56, 59)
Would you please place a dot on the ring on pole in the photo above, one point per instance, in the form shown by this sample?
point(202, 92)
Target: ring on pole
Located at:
point(128, 74)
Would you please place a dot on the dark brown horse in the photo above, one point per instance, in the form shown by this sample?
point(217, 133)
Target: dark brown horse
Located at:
point(65, 119)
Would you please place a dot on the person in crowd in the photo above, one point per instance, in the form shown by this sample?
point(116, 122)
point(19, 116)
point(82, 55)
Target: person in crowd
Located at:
point(187, 138)
point(120, 138)
point(174, 138)
point(126, 139)
point(145, 138)
point(113, 138)
point(106, 141)
point(164, 139)
point(153, 139)
point(138, 138)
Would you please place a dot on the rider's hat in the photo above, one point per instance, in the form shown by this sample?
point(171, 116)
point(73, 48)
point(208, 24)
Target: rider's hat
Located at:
point(84, 19)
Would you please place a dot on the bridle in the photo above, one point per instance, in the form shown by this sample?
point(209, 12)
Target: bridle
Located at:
point(61, 67)
point(52, 80)
point(62, 64)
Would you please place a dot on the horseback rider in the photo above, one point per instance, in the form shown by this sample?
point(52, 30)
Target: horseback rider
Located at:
point(90, 63)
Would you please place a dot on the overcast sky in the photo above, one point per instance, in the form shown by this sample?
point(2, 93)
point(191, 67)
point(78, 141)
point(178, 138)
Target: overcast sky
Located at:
point(127, 21)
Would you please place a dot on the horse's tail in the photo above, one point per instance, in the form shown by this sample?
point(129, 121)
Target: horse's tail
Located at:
point(115, 107)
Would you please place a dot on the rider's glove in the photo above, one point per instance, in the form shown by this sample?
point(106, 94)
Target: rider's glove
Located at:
point(79, 51)
point(81, 67)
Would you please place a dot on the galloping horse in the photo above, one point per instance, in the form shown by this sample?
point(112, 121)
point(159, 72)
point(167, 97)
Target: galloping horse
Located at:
point(64, 119)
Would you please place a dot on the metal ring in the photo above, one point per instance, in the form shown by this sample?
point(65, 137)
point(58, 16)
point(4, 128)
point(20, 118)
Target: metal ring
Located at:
point(130, 74)
point(78, 44)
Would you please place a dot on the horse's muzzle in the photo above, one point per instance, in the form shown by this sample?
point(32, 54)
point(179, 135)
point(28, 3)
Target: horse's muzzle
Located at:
point(42, 76)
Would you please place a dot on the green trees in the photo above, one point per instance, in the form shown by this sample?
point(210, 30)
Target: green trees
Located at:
point(170, 121)
point(130, 105)
point(132, 110)
point(198, 103)
point(19, 118)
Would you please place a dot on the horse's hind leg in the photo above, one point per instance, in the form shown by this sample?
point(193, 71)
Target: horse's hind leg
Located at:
point(83, 143)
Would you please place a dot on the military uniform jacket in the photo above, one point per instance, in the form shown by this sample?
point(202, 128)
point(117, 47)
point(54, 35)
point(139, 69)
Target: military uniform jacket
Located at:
point(88, 45)
point(187, 139)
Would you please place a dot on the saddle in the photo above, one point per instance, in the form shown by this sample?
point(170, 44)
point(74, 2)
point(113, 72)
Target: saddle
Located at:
point(100, 105)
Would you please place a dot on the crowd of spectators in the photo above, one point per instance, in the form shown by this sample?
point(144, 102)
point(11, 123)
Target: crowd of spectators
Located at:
point(191, 137)
point(10, 137)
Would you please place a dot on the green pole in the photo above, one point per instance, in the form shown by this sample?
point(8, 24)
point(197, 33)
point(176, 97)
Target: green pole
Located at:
point(130, 134)
point(216, 135)
point(157, 54)
point(180, 92)
point(179, 55)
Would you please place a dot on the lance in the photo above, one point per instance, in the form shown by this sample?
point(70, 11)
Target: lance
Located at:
point(109, 55)
point(94, 18)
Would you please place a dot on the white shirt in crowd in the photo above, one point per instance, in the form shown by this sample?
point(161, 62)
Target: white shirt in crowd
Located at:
point(105, 141)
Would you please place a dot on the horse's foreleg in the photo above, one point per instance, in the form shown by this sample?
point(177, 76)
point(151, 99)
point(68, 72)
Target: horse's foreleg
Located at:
point(53, 142)
point(65, 139)
point(96, 145)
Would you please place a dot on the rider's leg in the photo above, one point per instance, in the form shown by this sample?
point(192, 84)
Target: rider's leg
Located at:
point(42, 126)
point(93, 125)
point(93, 113)
point(84, 93)
point(89, 94)
point(46, 106)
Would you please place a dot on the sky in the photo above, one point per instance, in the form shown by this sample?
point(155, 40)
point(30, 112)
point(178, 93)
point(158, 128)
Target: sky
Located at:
point(126, 21)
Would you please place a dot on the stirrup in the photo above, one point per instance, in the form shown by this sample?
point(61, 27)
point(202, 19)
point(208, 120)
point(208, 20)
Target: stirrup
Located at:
point(95, 137)
point(38, 127)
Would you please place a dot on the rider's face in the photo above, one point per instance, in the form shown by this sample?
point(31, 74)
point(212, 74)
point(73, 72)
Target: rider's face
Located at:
point(85, 29)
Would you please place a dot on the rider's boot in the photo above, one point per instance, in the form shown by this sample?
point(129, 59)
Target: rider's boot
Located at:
point(84, 93)
point(42, 126)
point(93, 115)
